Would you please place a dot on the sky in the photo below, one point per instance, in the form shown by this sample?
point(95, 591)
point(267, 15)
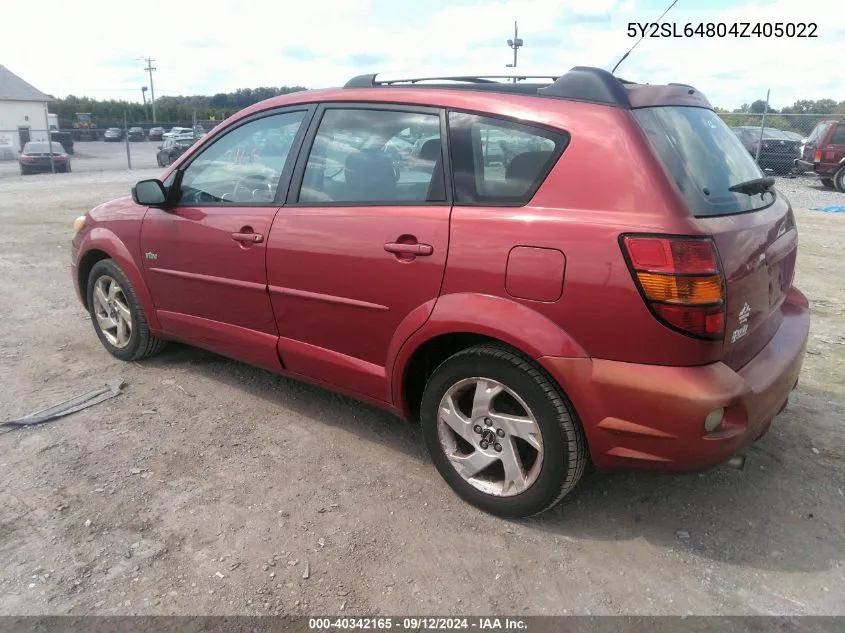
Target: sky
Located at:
point(200, 48)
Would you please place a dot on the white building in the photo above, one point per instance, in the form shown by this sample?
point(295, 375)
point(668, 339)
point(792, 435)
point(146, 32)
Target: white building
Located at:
point(22, 112)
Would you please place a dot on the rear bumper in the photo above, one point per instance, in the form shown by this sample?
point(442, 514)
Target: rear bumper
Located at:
point(803, 164)
point(651, 417)
point(826, 170)
point(41, 167)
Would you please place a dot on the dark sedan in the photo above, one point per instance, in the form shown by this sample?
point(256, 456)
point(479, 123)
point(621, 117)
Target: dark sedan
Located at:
point(136, 134)
point(35, 157)
point(172, 149)
point(778, 150)
point(113, 134)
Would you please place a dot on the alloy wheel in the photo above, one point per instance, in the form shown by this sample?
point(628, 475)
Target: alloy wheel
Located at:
point(111, 309)
point(490, 436)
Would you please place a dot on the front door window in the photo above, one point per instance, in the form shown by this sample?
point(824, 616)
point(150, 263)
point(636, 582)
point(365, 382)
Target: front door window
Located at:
point(244, 166)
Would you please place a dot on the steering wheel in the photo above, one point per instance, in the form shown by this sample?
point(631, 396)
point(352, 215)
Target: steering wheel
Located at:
point(250, 187)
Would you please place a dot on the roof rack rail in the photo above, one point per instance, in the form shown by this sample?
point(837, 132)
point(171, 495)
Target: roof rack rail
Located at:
point(581, 83)
point(584, 83)
point(369, 81)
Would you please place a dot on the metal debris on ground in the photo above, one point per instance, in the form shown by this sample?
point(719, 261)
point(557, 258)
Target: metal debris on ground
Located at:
point(107, 391)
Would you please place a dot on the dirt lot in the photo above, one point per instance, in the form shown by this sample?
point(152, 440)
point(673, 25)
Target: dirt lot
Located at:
point(211, 487)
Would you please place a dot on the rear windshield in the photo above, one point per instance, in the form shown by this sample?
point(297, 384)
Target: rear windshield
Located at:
point(704, 157)
point(41, 148)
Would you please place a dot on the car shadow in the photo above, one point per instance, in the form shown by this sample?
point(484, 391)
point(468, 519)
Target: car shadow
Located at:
point(312, 402)
point(782, 512)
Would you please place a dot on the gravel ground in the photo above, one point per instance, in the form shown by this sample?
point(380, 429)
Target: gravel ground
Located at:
point(211, 487)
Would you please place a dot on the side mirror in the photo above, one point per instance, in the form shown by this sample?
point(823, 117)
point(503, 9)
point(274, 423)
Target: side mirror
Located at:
point(149, 193)
point(161, 146)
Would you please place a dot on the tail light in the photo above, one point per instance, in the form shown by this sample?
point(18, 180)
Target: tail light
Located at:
point(817, 157)
point(27, 159)
point(681, 281)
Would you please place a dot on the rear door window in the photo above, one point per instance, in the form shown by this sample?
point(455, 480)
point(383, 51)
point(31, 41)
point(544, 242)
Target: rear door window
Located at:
point(375, 156)
point(497, 162)
point(704, 159)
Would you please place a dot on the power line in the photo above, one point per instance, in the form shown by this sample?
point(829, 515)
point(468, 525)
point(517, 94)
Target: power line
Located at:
point(149, 69)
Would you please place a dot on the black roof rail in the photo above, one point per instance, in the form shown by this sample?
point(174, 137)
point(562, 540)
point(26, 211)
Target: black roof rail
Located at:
point(584, 83)
point(369, 81)
point(362, 81)
point(581, 83)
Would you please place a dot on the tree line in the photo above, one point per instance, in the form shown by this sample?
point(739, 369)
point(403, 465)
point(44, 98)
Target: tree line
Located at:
point(221, 105)
point(168, 108)
point(813, 111)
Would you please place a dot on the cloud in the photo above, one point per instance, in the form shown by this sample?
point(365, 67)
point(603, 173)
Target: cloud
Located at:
point(320, 44)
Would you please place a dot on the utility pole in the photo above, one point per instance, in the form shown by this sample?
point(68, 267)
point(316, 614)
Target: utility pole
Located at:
point(516, 43)
point(150, 68)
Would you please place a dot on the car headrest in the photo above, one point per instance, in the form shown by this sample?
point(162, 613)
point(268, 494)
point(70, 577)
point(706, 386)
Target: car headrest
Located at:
point(527, 166)
point(370, 175)
point(430, 150)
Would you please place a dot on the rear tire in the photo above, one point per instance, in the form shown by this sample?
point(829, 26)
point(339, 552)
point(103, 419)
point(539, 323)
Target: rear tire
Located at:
point(528, 428)
point(123, 309)
point(827, 183)
point(839, 180)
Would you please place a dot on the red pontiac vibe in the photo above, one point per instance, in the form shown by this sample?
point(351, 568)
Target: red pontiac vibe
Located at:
point(543, 273)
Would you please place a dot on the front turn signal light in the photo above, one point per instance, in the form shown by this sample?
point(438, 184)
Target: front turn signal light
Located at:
point(78, 223)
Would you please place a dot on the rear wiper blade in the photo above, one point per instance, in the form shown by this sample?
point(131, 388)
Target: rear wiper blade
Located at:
point(752, 187)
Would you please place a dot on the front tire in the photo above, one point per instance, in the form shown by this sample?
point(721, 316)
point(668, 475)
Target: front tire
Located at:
point(501, 433)
point(117, 316)
point(839, 180)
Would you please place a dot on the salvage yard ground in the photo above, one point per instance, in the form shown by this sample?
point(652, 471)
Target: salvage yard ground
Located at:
point(212, 487)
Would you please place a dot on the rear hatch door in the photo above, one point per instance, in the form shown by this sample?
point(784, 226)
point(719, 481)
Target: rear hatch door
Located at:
point(752, 225)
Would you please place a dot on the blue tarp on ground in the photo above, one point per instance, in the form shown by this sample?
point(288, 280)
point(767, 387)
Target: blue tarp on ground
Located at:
point(833, 208)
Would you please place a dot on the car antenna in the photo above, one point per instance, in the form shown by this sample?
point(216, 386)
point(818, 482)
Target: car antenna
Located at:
point(625, 56)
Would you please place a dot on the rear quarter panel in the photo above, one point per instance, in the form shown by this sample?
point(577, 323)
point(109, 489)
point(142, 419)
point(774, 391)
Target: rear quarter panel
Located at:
point(607, 182)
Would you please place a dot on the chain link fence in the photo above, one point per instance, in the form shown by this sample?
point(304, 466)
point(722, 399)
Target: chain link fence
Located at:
point(775, 140)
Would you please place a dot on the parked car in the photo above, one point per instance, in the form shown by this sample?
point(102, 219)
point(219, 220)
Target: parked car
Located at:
point(172, 149)
point(156, 133)
point(35, 157)
point(824, 153)
point(113, 134)
point(533, 315)
point(176, 131)
point(137, 134)
point(778, 150)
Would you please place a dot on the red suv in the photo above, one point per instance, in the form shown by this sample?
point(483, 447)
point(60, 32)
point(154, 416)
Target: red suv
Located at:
point(824, 153)
point(544, 273)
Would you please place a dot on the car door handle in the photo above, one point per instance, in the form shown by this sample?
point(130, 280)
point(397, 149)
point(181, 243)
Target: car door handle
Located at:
point(409, 249)
point(248, 238)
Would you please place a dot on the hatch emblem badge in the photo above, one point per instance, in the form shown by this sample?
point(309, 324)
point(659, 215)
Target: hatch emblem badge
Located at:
point(742, 330)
